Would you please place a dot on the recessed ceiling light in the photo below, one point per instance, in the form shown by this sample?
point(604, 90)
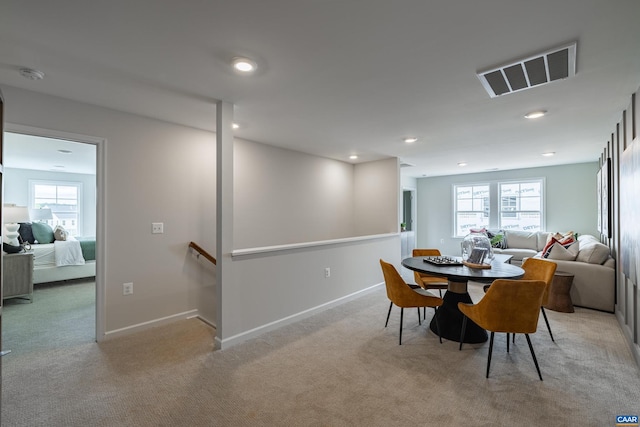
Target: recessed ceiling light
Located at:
point(31, 74)
point(243, 65)
point(535, 114)
point(410, 139)
point(353, 156)
point(235, 126)
point(549, 153)
point(65, 151)
point(461, 164)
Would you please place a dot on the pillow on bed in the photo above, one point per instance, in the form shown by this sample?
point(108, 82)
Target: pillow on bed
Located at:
point(59, 233)
point(26, 233)
point(42, 232)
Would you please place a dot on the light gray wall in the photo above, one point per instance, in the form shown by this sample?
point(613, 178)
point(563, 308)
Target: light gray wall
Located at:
point(16, 190)
point(570, 201)
point(283, 196)
point(377, 197)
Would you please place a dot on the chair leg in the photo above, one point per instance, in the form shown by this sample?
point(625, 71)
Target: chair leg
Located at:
point(388, 314)
point(401, 315)
point(440, 292)
point(534, 356)
point(462, 331)
point(547, 322)
point(419, 319)
point(507, 342)
point(435, 316)
point(490, 351)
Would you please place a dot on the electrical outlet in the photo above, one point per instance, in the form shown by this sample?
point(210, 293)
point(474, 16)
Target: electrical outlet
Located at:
point(157, 227)
point(441, 240)
point(327, 272)
point(127, 288)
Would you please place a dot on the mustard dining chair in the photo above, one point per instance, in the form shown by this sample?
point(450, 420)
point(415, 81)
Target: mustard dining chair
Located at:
point(511, 306)
point(427, 281)
point(540, 269)
point(400, 294)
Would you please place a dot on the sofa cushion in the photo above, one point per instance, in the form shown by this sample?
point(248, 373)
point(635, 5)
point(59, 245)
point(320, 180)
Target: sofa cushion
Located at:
point(522, 239)
point(562, 252)
point(592, 251)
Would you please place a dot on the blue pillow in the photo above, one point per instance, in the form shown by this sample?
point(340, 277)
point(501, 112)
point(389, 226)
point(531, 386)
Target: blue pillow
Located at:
point(26, 233)
point(42, 232)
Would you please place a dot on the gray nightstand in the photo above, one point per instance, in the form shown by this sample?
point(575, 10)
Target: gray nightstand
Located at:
point(17, 275)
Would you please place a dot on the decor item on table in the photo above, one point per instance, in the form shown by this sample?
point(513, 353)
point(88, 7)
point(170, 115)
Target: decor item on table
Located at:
point(477, 251)
point(12, 216)
point(403, 226)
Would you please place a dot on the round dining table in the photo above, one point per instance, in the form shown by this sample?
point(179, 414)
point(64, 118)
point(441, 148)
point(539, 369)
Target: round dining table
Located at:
point(449, 316)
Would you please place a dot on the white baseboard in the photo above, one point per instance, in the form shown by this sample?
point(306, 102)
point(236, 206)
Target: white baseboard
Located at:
point(150, 324)
point(237, 339)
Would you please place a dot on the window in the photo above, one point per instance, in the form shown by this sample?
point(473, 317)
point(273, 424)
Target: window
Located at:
point(521, 205)
point(514, 205)
point(63, 198)
point(471, 208)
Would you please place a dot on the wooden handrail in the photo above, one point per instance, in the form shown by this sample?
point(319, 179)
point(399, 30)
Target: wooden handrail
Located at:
point(202, 252)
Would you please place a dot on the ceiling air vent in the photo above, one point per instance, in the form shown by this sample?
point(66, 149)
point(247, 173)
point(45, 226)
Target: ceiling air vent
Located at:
point(406, 165)
point(539, 69)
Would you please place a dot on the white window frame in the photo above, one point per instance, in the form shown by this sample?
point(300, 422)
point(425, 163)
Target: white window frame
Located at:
point(518, 210)
point(487, 207)
point(495, 199)
point(77, 184)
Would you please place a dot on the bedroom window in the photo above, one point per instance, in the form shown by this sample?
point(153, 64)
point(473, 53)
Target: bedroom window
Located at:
point(63, 198)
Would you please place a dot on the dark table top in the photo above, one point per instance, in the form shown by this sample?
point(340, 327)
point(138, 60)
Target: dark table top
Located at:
point(461, 273)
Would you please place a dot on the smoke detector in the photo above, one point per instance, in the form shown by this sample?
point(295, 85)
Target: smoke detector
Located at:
point(536, 70)
point(31, 74)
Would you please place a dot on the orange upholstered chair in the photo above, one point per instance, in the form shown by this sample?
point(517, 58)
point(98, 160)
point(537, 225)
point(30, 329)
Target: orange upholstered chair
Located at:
point(540, 269)
point(426, 281)
point(403, 296)
point(511, 306)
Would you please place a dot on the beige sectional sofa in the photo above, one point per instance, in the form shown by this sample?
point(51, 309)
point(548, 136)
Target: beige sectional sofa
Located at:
point(593, 267)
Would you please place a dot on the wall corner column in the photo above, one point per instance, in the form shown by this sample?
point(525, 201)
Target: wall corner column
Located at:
point(224, 211)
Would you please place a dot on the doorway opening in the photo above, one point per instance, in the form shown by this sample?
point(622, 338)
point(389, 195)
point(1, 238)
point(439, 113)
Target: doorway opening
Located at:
point(56, 177)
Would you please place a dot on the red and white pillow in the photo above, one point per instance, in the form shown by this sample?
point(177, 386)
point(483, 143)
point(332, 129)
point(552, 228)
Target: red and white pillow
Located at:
point(561, 247)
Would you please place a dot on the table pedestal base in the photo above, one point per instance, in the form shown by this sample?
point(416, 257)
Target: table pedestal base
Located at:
point(450, 319)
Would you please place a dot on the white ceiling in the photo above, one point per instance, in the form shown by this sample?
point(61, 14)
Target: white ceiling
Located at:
point(342, 77)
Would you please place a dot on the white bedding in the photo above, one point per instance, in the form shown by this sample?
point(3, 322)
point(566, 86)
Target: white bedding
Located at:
point(67, 252)
point(45, 270)
point(57, 254)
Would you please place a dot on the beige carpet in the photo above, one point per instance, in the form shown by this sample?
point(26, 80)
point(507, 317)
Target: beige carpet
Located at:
point(338, 368)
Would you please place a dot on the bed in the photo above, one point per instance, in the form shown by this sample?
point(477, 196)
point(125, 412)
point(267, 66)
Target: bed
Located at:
point(45, 268)
point(60, 257)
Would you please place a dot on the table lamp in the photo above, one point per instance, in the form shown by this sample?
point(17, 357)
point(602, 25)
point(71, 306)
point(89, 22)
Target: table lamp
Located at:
point(12, 215)
point(40, 215)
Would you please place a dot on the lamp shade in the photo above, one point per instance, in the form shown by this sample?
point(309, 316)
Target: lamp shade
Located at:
point(14, 214)
point(43, 214)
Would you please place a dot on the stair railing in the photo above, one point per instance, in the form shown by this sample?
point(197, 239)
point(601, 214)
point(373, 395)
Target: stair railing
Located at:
point(202, 252)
